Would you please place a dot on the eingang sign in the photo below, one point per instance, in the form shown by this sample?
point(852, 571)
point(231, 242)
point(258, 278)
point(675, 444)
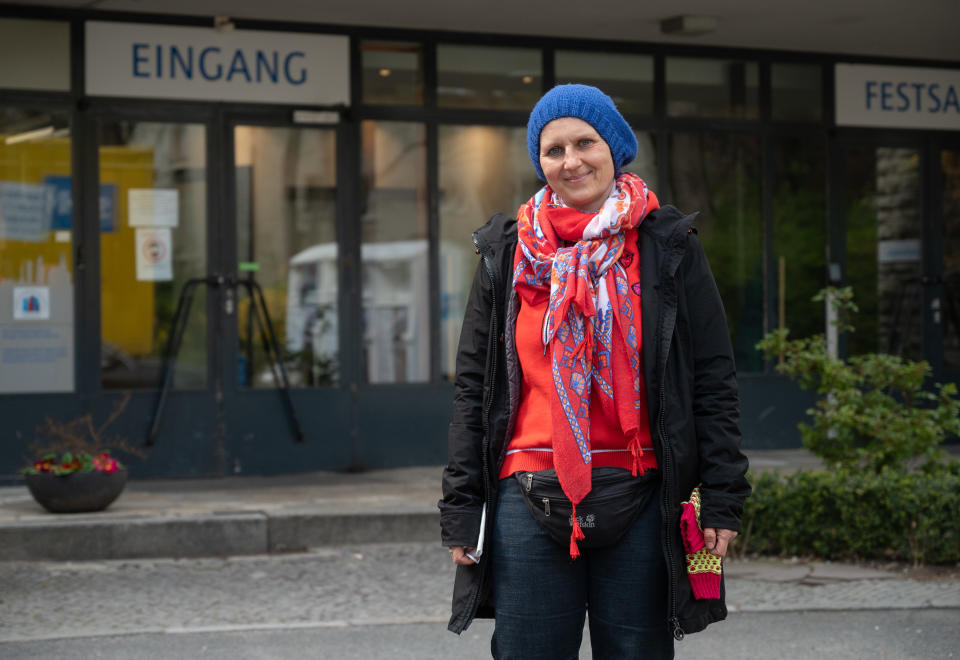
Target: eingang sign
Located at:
point(897, 97)
point(162, 61)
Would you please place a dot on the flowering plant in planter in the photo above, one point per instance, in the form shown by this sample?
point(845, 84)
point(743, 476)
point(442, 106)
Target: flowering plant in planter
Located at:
point(73, 470)
point(68, 463)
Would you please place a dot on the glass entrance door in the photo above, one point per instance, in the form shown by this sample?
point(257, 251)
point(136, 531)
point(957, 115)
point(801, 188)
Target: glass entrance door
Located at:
point(285, 187)
point(903, 251)
point(155, 217)
point(946, 310)
point(885, 248)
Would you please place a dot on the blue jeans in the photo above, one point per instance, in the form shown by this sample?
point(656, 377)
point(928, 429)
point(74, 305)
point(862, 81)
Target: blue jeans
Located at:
point(541, 597)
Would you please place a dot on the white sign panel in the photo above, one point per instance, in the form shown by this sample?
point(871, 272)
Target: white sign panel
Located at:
point(154, 255)
point(31, 303)
point(891, 251)
point(149, 207)
point(897, 97)
point(163, 61)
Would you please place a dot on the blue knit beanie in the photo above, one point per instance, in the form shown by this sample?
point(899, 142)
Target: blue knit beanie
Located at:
point(592, 106)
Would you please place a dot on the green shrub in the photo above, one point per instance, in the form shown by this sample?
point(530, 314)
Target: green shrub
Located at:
point(874, 410)
point(849, 514)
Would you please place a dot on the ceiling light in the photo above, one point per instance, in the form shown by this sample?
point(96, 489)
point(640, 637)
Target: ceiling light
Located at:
point(688, 26)
point(384, 73)
point(26, 136)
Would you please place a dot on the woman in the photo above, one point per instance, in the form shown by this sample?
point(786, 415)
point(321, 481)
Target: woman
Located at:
point(594, 350)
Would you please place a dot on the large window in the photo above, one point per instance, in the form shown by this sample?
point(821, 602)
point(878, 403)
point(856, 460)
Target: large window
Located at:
point(950, 315)
point(884, 249)
point(396, 310)
point(799, 232)
point(699, 87)
point(626, 78)
point(795, 92)
point(719, 175)
point(645, 164)
point(36, 264)
point(392, 73)
point(153, 211)
point(287, 243)
point(485, 77)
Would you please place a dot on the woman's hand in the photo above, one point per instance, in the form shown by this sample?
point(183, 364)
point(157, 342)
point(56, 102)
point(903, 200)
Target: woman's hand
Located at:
point(459, 555)
point(717, 540)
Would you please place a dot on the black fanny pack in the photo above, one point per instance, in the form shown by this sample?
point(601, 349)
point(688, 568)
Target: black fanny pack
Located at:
point(605, 514)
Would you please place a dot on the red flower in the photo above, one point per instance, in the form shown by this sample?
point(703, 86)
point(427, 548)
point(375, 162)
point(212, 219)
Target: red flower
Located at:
point(105, 463)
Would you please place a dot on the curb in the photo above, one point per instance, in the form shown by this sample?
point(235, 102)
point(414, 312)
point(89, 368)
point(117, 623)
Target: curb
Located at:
point(216, 535)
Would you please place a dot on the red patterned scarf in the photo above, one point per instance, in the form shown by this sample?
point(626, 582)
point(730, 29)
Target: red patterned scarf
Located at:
point(589, 325)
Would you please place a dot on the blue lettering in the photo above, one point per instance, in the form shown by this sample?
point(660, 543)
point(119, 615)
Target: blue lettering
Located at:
point(951, 99)
point(137, 59)
point(238, 65)
point(918, 87)
point(286, 69)
point(905, 105)
point(871, 92)
point(203, 66)
point(931, 92)
point(159, 61)
point(264, 65)
point(885, 94)
point(185, 65)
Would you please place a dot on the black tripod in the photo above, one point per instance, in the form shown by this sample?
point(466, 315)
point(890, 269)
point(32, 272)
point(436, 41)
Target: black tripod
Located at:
point(258, 308)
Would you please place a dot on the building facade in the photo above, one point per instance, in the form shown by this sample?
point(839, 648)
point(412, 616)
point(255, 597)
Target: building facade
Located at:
point(195, 210)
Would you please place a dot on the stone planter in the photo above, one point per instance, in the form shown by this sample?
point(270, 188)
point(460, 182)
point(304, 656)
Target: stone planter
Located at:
point(78, 492)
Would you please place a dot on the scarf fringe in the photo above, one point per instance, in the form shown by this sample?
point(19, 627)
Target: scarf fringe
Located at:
point(576, 535)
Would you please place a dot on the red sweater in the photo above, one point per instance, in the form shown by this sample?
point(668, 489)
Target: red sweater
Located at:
point(531, 447)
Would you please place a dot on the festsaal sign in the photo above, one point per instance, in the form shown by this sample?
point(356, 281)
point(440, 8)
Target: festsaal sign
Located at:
point(204, 64)
point(897, 97)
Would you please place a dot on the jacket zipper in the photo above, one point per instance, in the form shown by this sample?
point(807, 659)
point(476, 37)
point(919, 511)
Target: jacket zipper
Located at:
point(668, 478)
point(485, 447)
point(668, 544)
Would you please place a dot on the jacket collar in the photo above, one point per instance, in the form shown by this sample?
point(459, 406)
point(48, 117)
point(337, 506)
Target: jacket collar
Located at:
point(499, 229)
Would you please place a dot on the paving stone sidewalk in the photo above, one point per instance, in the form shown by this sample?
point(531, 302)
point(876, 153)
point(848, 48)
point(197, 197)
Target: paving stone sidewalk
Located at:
point(366, 584)
point(771, 585)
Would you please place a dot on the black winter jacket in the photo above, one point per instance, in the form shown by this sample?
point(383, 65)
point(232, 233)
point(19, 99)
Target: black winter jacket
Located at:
point(691, 393)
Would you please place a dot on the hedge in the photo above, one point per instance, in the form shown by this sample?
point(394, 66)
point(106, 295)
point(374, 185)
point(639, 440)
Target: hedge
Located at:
point(846, 514)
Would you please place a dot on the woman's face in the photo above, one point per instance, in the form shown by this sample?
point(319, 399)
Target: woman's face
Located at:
point(576, 162)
